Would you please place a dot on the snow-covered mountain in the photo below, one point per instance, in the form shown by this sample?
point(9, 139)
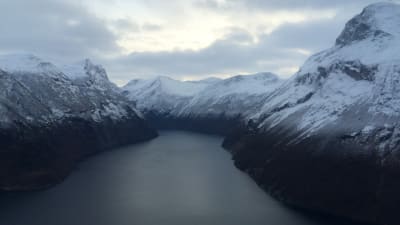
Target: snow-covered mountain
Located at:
point(46, 109)
point(163, 94)
point(360, 74)
point(328, 139)
point(35, 91)
point(230, 97)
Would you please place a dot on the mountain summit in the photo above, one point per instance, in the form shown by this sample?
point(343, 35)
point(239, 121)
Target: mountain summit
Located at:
point(329, 138)
point(51, 117)
point(377, 21)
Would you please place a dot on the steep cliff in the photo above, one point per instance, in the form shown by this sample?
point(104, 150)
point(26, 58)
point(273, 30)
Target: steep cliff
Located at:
point(51, 117)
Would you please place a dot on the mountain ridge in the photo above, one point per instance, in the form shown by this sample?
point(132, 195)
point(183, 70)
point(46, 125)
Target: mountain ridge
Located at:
point(50, 121)
point(334, 127)
point(327, 139)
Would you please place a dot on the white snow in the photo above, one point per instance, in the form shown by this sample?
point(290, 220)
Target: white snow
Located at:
point(385, 16)
point(15, 63)
point(245, 84)
point(368, 129)
point(38, 92)
point(75, 71)
point(337, 91)
point(168, 86)
point(230, 96)
point(162, 93)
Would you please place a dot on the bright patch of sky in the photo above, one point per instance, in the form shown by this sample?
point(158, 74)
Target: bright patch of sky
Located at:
point(184, 39)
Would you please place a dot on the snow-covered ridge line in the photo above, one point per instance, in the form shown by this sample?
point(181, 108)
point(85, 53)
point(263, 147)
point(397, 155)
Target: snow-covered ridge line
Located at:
point(209, 97)
point(328, 139)
point(53, 117)
point(38, 92)
point(361, 71)
point(379, 20)
point(28, 63)
point(168, 85)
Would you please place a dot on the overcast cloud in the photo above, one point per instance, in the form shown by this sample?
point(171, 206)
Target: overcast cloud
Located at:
point(189, 39)
point(53, 29)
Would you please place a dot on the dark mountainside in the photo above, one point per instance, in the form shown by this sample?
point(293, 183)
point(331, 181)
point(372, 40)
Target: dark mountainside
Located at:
point(213, 105)
point(327, 139)
point(347, 163)
point(50, 121)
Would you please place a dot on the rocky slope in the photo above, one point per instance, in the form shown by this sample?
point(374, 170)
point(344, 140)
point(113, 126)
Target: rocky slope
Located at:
point(51, 117)
point(211, 105)
point(329, 138)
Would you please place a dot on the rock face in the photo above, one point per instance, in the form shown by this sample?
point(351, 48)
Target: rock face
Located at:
point(329, 138)
point(211, 105)
point(51, 117)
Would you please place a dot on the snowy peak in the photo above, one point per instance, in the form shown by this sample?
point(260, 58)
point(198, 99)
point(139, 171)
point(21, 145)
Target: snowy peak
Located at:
point(210, 80)
point(253, 84)
point(210, 97)
point(375, 22)
point(361, 71)
point(31, 64)
point(258, 83)
point(233, 97)
point(369, 40)
point(162, 94)
point(180, 88)
point(87, 73)
point(36, 91)
point(261, 77)
point(167, 86)
point(17, 63)
point(85, 69)
point(95, 70)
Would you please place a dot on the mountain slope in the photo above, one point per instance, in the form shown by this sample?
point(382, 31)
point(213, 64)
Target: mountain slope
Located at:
point(162, 94)
point(232, 97)
point(211, 105)
point(50, 118)
point(334, 126)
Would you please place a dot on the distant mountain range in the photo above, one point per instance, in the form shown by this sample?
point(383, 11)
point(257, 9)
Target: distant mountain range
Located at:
point(327, 139)
point(211, 105)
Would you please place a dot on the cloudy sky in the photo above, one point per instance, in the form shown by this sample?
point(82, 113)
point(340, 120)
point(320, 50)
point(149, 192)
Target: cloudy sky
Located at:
point(184, 39)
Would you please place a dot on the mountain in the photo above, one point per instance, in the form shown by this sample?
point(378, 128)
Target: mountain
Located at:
point(51, 117)
point(328, 139)
point(210, 105)
point(163, 94)
point(232, 97)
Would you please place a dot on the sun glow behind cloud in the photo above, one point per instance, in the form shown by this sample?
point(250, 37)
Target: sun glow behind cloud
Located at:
point(185, 26)
point(194, 29)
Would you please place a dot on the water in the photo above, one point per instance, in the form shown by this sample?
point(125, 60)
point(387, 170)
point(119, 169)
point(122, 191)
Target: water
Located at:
point(179, 178)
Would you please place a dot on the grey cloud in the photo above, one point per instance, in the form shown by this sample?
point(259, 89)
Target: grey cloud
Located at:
point(238, 35)
point(151, 27)
point(284, 5)
point(125, 25)
point(55, 29)
point(61, 30)
point(313, 36)
point(237, 52)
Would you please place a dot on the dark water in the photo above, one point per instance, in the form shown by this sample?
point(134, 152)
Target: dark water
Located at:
point(179, 178)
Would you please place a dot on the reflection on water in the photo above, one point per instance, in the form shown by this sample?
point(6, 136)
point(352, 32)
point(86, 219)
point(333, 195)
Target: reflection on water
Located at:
point(179, 178)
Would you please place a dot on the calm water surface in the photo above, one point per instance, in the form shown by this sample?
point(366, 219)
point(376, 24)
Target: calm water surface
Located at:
point(179, 178)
